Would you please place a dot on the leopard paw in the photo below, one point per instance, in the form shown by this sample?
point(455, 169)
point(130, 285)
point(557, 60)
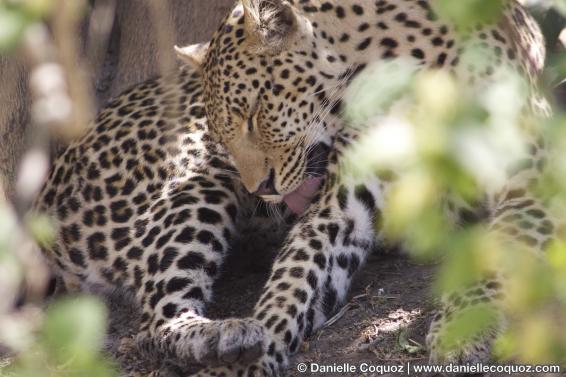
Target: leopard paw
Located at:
point(231, 341)
point(206, 342)
point(265, 367)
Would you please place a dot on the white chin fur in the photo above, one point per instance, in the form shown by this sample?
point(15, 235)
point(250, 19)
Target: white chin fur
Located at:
point(272, 198)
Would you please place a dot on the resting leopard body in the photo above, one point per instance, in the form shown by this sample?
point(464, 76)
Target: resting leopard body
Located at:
point(148, 198)
point(147, 201)
point(274, 74)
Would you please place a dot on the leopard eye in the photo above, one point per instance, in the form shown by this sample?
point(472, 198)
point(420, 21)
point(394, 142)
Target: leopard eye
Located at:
point(237, 112)
point(253, 116)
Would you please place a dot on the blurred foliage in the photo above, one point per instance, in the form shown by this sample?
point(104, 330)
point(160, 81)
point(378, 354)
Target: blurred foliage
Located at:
point(16, 16)
point(68, 343)
point(468, 13)
point(66, 339)
point(441, 138)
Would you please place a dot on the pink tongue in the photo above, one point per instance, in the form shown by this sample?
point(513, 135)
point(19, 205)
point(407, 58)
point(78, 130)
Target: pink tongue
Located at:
point(299, 200)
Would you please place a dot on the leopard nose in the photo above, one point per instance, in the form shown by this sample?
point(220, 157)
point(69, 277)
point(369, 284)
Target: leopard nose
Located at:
point(267, 187)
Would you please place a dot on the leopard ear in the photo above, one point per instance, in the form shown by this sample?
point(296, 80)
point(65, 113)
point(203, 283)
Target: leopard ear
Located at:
point(270, 25)
point(193, 54)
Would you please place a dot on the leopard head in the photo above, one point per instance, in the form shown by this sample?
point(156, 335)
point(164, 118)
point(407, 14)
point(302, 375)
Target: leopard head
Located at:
point(266, 98)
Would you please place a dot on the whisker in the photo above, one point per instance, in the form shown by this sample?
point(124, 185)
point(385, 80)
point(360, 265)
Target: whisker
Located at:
point(257, 206)
point(318, 119)
point(228, 171)
point(269, 210)
point(278, 215)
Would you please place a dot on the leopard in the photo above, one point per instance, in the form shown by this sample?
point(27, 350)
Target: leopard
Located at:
point(274, 77)
point(149, 205)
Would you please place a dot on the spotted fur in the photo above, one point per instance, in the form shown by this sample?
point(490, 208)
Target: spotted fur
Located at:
point(147, 201)
point(149, 198)
point(274, 75)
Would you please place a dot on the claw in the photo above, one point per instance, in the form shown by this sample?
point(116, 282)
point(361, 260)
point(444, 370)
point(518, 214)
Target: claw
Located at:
point(231, 356)
point(210, 358)
point(252, 354)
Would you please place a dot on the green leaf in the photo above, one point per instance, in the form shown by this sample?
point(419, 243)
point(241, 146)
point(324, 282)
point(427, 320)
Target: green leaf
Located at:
point(468, 325)
point(75, 328)
point(13, 22)
point(42, 229)
point(468, 13)
point(560, 5)
point(376, 89)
